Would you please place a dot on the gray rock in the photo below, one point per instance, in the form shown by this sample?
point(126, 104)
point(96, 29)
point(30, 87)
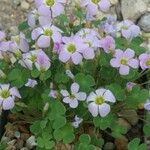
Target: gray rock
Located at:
point(133, 9)
point(25, 5)
point(144, 22)
point(109, 146)
point(30, 143)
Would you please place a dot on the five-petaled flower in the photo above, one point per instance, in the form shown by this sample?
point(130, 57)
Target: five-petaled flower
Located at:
point(128, 29)
point(50, 7)
point(7, 96)
point(72, 49)
point(97, 102)
point(73, 97)
point(45, 34)
point(124, 60)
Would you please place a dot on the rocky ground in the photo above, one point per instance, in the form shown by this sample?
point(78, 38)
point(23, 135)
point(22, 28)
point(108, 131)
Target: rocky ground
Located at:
point(12, 13)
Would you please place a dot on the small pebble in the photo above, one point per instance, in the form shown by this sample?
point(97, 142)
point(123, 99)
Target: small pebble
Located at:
point(25, 5)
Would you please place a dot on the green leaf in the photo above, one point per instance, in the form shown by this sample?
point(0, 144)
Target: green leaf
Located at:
point(118, 131)
point(65, 133)
point(118, 92)
point(59, 122)
point(86, 82)
point(60, 77)
point(104, 123)
point(35, 73)
point(18, 77)
point(45, 75)
point(85, 139)
point(146, 129)
point(105, 59)
point(137, 96)
point(23, 26)
point(135, 145)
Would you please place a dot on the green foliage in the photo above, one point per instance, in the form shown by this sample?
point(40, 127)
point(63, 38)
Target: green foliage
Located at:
point(104, 123)
point(45, 141)
point(86, 82)
point(118, 91)
point(85, 141)
point(136, 97)
point(18, 77)
point(65, 134)
point(135, 145)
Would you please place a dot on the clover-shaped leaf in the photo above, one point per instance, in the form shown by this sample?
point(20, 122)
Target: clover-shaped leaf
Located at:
point(135, 145)
point(86, 82)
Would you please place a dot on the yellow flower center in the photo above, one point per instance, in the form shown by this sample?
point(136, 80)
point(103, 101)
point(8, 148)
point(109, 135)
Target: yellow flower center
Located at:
point(50, 2)
point(71, 48)
point(99, 100)
point(148, 63)
point(33, 58)
point(95, 1)
point(5, 94)
point(124, 61)
point(48, 32)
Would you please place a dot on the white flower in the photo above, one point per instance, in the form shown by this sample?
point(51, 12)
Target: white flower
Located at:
point(7, 96)
point(77, 121)
point(75, 96)
point(98, 102)
point(31, 83)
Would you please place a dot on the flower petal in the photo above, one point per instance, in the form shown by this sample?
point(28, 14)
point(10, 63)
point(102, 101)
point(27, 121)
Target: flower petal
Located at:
point(8, 103)
point(73, 103)
point(124, 70)
point(64, 56)
point(100, 92)
point(108, 95)
point(115, 62)
point(133, 63)
point(43, 41)
point(67, 100)
point(74, 88)
point(104, 109)
point(64, 93)
point(14, 92)
point(81, 96)
point(91, 97)
point(93, 109)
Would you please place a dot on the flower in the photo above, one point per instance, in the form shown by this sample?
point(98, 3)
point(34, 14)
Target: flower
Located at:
point(50, 7)
point(147, 105)
point(44, 34)
point(97, 102)
point(31, 83)
point(72, 49)
point(93, 6)
point(108, 44)
point(144, 61)
point(91, 39)
point(130, 86)
point(38, 58)
point(124, 60)
point(75, 96)
point(19, 44)
point(77, 121)
point(128, 29)
point(110, 25)
point(7, 96)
